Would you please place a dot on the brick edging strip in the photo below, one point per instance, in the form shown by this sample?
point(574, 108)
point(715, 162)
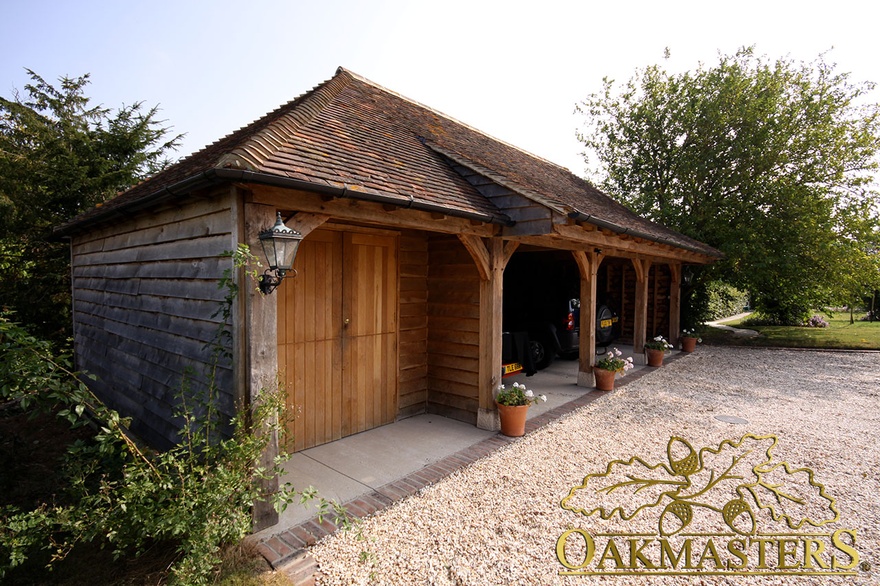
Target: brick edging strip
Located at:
point(287, 551)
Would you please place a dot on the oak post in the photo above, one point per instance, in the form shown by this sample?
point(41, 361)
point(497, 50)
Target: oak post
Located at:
point(588, 266)
point(261, 329)
point(491, 298)
point(640, 321)
point(674, 302)
point(490, 256)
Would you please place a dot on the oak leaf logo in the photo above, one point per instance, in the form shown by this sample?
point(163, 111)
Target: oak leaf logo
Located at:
point(736, 480)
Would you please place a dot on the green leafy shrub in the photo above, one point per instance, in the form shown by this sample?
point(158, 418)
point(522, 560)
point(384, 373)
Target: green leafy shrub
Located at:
point(783, 313)
point(198, 495)
point(724, 300)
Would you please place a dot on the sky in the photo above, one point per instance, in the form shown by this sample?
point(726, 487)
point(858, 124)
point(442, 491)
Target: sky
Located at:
point(513, 69)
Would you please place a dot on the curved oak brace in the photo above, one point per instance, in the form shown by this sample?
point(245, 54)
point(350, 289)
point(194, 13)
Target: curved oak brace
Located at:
point(642, 266)
point(304, 222)
point(509, 248)
point(485, 259)
point(478, 251)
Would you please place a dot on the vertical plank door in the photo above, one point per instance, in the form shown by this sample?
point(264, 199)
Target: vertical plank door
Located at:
point(337, 324)
point(310, 342)
point(369, 331)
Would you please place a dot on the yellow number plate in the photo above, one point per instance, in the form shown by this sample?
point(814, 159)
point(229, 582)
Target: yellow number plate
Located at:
point(606, 323)
point(515, 367)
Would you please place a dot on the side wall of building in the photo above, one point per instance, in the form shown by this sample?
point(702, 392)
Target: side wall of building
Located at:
point(145, 306)
point(413, 340)
point(453, 330)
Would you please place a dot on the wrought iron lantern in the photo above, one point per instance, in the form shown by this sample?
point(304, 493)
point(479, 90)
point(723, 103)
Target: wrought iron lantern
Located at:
point(280, 244)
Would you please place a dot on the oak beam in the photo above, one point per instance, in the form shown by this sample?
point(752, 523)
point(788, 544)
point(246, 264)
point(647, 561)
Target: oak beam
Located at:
point(604, 238)
point(352, 210)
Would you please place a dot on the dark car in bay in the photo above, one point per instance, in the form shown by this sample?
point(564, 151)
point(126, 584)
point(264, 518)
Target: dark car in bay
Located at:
point(542, 298)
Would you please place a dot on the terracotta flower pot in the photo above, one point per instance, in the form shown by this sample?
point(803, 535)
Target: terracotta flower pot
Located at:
point(513, 419)
point(604, 379)
point(655, 357)
point(688, 344)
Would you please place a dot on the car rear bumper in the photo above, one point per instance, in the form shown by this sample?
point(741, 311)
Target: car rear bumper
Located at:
point(568, 340)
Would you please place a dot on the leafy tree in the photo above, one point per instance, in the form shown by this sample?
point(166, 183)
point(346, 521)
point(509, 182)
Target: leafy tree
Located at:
point(770, 162)
point(59, 156)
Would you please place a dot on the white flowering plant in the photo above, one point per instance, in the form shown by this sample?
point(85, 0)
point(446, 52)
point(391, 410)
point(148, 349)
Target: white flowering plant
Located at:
point(690, 333)
point(516, 396)
point(659, 343)
point(613, 362)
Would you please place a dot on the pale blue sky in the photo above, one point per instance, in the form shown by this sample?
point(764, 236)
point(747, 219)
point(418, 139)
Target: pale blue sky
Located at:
point(512, 69)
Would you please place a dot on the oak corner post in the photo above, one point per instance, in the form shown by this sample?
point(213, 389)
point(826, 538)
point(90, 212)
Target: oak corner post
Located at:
point(261, 351)
point(674, 302)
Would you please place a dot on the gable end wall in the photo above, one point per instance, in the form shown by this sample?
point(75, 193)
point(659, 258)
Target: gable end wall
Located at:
point(531, 218)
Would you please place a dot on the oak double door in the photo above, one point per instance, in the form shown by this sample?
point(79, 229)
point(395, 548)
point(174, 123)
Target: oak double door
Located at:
point(337, 335)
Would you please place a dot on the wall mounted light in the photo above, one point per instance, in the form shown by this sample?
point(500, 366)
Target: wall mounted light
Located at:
point(280, 244)
point(687, 275)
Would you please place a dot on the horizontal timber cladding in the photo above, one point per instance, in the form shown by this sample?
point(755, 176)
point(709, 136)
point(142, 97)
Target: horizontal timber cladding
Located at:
point(453, 330)
point(616, 289)
point(413, 341)
point(145, 307)
point(659, 282)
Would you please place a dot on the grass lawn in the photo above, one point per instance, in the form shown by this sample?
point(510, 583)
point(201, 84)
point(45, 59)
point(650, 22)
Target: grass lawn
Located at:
point(840, 334)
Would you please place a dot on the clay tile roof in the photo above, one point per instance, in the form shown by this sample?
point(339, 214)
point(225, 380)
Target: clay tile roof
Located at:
point(354, 134)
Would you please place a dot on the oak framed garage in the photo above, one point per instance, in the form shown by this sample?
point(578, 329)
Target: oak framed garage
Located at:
point(409, 218)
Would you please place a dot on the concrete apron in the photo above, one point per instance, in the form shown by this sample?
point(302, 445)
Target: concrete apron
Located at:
point(285, 546)
point(360, 464)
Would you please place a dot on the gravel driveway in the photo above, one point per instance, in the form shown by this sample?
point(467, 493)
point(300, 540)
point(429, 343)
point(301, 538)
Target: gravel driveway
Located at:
point(498, 520)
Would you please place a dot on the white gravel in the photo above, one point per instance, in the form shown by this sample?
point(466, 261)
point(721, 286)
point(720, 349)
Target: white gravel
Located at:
point(498, 520)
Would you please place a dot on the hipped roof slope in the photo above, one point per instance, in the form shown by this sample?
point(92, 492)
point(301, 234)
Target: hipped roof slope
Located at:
point(352, 134)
